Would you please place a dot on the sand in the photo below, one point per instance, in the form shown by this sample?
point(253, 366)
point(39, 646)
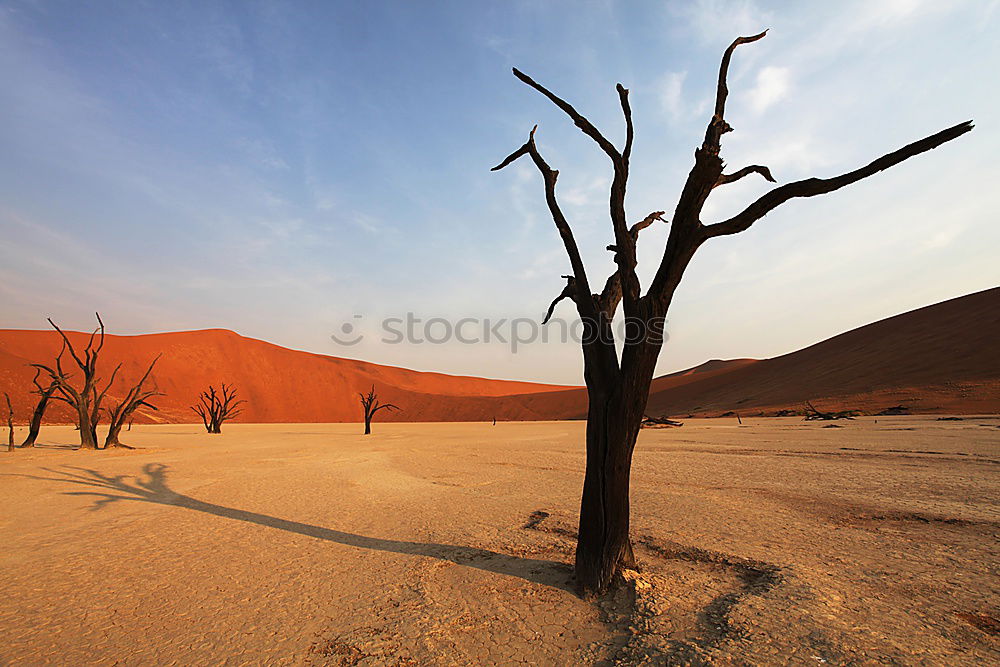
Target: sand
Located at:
point(779, 542)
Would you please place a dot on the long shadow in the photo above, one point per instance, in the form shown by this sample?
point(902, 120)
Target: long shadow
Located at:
point(154, 489)
point(42, 445)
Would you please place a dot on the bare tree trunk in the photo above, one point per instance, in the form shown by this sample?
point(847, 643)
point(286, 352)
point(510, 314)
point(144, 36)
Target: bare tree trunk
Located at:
point(88, 430)
point(617, 402)
point(368, 424)
point(44, 394)
point(35, 425)
point(603, 545)
point(114, 429)
point(10, 424)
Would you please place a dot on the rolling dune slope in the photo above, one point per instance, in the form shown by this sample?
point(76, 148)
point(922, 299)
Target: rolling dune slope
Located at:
point(280, 385)
point(941, 358)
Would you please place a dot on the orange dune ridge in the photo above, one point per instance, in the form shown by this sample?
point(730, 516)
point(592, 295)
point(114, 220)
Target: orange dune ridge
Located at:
point(279, 384)
point(943, 358)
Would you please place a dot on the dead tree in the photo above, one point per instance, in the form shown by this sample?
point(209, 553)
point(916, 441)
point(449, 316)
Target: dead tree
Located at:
point(656, 422)
point(371, 405)
point(812, 414)
point(138, 396)
point(618, 387)
point(216, 407)
point(85, 400)
point(10, 423)
point(44, 394)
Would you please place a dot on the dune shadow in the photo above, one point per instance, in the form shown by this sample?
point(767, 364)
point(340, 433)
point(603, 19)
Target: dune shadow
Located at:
point(152, 487)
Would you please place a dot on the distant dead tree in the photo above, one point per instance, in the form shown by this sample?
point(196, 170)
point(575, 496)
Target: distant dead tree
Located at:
point(44, 394)
point(214, 407)
point(85, 400)
point(812, 414)
point(138, 396)
point(618, 387)
point(10, 423)
point(655, 422)
point(371, 405)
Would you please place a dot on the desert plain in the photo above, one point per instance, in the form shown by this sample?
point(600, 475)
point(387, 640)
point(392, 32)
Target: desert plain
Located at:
point(778, 541)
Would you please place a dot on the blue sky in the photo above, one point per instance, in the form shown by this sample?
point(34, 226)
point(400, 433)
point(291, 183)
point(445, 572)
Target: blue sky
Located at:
point(280, 168)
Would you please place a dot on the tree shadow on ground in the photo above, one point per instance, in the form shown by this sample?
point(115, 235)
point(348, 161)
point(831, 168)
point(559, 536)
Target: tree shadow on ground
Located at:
point(152, 487)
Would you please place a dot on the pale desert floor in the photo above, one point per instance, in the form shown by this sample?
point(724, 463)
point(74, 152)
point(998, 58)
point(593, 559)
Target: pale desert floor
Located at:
point(778, 542)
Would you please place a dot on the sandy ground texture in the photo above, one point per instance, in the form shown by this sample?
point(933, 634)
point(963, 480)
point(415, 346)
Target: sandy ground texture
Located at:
point(776, 542)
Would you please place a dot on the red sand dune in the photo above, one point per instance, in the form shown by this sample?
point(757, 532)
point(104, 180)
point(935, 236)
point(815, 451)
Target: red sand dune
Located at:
point(937, 359)
point(279, 385)
point(942, 358)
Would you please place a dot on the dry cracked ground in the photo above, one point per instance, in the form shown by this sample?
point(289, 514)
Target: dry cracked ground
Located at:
point(775, 542)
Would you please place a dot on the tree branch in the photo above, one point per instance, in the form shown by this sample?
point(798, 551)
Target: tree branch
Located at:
point(811, 187)
point(718, 125)
point(549, 177)
point(625, 248)
point(745, 171)
point(645, 222)
point(612, 294)
point(629, 130)
point(72, 350)
point(569, 292)
point(585, 125)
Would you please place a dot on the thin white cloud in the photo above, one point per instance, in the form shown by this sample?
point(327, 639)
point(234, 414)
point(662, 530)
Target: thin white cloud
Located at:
point(670, 90)
point(368, 223)
point(720, 21)
point(773, 84)
point(587, 194)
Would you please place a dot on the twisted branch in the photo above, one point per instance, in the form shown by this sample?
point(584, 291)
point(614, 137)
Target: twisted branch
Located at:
point(811, 187)
point(745, 171)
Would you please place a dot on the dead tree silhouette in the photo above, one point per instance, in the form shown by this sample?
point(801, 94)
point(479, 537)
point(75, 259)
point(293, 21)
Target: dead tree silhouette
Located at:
point(10, 423)
point(152, 487)
point(215, 408)
point(138, 396)
point(86, 400)
point(44, 394)
point(371, 405)
point(618, 388)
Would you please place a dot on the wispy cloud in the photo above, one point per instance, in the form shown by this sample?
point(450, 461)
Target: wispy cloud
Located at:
point(773, 83)
point(671, 89)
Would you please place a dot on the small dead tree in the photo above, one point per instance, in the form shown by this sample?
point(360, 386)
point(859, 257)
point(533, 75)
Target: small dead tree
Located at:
point(813, 414)
point(371, 405)
point(85, 400)
point(10, 423)
point(618, 386)
point(657, 422)
point(215, 407)
point(138, 396)
point(44, 394)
